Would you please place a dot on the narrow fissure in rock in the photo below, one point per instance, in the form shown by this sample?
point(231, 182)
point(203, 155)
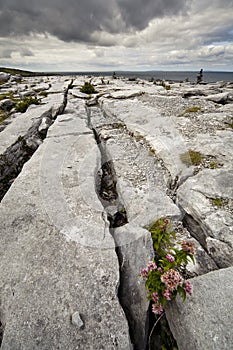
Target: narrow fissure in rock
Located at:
point(116, 213)
point(1, 333)
point(14, 158)
point(106, 183)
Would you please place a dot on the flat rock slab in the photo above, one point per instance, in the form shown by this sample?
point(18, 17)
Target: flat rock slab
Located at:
point(126, 94)
point(160, 132)
point(59, 288)
point(204, 321)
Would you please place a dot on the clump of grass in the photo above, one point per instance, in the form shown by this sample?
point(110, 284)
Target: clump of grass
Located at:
point(166, 86)
point(88, 88)
point(217, 202)
point(191, 157)
point(214, 165)
point(43, 93)
point(118, 125)
point(139, 137)
point(3, 116)
point(23, 105)
point(7, 95)
point(193, 109)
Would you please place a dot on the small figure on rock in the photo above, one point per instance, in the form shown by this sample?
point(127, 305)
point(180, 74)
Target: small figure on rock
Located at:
point(200, 76)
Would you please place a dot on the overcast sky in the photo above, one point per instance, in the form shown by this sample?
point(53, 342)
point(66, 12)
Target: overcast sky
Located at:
point(92, 35)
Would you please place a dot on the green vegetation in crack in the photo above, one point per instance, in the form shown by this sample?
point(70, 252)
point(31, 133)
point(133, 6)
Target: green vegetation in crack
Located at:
point(193, 109)
point(88, 88)
point(217, 202)
point(23, 105)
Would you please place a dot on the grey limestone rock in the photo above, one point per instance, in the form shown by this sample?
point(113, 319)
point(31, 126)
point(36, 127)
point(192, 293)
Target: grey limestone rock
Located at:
point(4, 77)
point(7, 104)
point(57, 256)
point(222, 98)
point(204, 320)
point(210, 224)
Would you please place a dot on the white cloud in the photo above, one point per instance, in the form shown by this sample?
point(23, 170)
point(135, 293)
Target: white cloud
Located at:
point(199, 37)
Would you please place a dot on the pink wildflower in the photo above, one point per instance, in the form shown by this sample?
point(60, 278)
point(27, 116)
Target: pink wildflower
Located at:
point(167, 294)
point(170, 258)
point(144, 273)
point(155, 297)
point(167, 221)
point(188, 247)
point(188, 287)
point(151, 265)
point(171, 279)
point(160, 269)
point(157, 308)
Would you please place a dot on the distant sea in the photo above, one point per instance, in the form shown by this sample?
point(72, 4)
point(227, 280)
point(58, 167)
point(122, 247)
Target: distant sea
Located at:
point(208, 77)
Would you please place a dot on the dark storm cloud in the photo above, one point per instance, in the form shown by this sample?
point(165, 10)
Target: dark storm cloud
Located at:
point(73, 20)
point(139, 12)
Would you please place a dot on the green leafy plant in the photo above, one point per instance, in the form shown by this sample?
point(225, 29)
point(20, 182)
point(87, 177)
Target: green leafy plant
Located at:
point(88, 88)
point(217, 202)
point(214, 165)
point(163, 274)
point(23, 105)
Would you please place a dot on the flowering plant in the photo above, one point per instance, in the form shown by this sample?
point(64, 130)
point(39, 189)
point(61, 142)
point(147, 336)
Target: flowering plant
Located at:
point(163, 273)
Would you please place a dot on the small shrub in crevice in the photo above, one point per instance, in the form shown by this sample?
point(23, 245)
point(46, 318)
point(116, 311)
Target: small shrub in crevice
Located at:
point(23, 105)
point(214, 165)
point(163, 274)
point(88, 88)
point(218, 202)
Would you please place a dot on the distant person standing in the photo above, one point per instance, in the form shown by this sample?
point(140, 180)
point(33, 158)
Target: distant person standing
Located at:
point(200, 76)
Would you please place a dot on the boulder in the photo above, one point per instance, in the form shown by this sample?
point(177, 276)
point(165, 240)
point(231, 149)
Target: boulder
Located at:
point(16, 78)
point(7, 104)
point(4, 77)
point(41, 87)
point(204, 320)
point(222, 98)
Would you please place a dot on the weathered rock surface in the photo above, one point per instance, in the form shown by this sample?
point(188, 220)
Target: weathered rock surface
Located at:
point(6, 104)
point(204, 321)
point(222, 98)
point(138, 172)
point(197, 196)
point(135, 249)
point(51, 272)
point(4, 77)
